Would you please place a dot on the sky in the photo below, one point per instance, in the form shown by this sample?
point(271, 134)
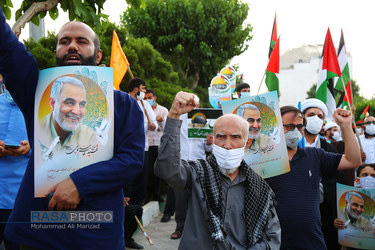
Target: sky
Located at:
point(299, 22)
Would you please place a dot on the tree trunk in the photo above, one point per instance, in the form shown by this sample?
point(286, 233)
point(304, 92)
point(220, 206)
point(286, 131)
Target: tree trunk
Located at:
point(34, 9)
point(196, 79)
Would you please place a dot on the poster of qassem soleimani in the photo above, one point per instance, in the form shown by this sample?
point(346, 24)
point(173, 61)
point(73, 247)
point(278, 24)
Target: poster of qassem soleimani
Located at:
point(266, 151)
point(73, 122)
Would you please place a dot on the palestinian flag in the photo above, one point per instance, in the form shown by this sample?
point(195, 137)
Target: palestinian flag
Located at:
point(365, 113)
point(273, 38)
point(272, 72)
point(329, 68)
point(345, 75)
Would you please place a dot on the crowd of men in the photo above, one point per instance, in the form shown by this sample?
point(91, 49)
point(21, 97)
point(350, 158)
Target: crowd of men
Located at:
point(227, 205)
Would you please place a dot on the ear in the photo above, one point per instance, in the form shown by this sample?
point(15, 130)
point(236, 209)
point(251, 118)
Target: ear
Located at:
point(54, 53)
point(357, 180)
point(52, 103)
point(99, 55)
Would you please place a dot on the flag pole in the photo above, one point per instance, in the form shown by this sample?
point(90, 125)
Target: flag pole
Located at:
point(261, 81)
point(350, 108)
point(130, 72)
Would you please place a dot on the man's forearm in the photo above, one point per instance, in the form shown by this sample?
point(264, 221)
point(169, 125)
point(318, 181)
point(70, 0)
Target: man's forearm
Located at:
point(168, 165)
point(352, 152)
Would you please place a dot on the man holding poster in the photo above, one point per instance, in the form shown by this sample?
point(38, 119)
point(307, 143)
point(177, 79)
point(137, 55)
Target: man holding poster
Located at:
point(95, 187)
point(299, 189)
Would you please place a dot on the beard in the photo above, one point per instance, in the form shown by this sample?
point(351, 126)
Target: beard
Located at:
point(61, 119)
point(90, 60)
point(352, 213)
point(227, 171)
point(253, 133)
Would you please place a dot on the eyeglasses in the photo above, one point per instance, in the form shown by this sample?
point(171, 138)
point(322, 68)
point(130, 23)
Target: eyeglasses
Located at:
point(291, 126)
point(368, 123)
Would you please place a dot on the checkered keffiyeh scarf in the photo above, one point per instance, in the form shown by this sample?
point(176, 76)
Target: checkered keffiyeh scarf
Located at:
point(258, 199)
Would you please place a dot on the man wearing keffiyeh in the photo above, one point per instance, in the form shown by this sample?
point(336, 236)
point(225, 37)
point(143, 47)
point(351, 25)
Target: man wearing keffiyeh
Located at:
point(231, 207)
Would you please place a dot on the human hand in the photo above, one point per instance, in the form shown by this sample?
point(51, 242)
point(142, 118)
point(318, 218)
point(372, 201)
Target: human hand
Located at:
point(66, 196)
point(363, 156)
point(2, 144)
point(343, 118)
point(339, 224)
point(22, 150)
point(183, 103)
point(160, 118)
point(151, 126)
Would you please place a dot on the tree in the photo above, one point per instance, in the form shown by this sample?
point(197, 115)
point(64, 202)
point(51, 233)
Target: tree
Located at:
point(146, 62)
point(199, 36)
point(88, 10)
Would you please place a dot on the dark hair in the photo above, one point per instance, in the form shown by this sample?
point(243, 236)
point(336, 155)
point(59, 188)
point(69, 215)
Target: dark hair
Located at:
point(135, 83)
point(150, 91)
point(242, 86)
point(359, 169)
point(296, 111)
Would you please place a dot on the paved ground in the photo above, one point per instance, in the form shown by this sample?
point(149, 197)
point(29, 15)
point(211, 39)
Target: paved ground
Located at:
point(160, 235)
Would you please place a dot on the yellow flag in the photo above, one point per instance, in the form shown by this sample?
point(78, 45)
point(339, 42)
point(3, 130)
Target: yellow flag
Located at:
point(119, 62)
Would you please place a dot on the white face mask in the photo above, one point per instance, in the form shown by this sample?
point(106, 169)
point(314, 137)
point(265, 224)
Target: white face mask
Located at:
point(141, 96)
point(370, 129)
point(314, 124)
point(359, 131)
point(367, 182)
point(292, 138)
point(228, 158)
point(336, 136)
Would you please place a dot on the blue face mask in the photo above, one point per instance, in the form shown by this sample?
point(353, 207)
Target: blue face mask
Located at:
point(245, 94)
point(151, 102)
point(8, 97)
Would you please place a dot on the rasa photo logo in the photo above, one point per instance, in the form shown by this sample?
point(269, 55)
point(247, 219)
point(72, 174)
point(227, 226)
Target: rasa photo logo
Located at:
point(71, 217)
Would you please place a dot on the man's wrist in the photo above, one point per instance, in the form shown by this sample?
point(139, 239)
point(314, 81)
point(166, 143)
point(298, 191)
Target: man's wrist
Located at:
point(173, 115)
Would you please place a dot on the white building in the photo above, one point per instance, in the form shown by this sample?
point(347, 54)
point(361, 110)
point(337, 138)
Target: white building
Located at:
point(299, 68)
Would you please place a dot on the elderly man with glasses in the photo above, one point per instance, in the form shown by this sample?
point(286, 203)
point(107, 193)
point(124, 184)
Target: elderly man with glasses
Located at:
point(297, 192)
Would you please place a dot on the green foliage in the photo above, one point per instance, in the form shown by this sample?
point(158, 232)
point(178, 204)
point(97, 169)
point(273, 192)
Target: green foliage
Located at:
point(6, 6)
point(89, 11)
point(145, 61)
point(201, 35)
point(43, 50)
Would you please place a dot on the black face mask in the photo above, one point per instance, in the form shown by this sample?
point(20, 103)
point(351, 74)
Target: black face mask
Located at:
point(91, 60)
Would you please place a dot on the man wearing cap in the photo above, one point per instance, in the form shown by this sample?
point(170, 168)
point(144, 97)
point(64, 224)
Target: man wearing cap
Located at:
point(332, 132)
point(315, 111)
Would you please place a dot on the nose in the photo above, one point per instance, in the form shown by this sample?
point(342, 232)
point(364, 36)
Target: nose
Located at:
point(227, 144)
point(76, 109)
point(73, 46)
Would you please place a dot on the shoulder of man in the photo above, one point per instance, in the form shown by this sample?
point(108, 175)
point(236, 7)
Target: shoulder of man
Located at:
point(328, 146)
